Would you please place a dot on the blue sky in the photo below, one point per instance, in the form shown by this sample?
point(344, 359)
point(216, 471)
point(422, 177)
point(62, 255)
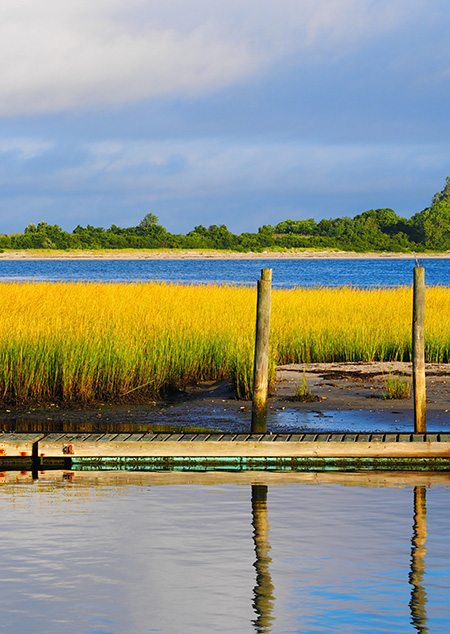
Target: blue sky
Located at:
point(213, 112)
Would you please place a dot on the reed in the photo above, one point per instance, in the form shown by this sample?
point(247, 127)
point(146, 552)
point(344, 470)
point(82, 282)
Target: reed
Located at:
point(302, 392)
point(76, 342)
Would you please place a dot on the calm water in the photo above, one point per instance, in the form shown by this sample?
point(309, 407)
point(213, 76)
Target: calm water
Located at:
point(98, 555)
point(286, 273)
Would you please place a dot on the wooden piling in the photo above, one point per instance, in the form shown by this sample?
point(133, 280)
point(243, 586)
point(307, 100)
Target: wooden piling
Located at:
point(418, 350)
point(261, 365)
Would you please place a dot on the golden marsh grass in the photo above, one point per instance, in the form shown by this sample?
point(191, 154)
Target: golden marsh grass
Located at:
point(84, 342)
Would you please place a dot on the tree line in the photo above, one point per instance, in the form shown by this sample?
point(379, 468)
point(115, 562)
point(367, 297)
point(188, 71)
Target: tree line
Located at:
point(374, 230)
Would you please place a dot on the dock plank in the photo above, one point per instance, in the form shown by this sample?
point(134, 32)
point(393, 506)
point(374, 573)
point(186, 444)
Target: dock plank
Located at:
point(135, 437)
point(255, 437)
point(215, 437)
point(188, 437)
point(268, 438)
point(53, 437)
point(176, 437)
point(18, 446)
point(121, 437)
point(73, 436)
point(93, 437)
point(20, 437)
point(283, 437)
point(228, 437)
point(202, 437)
point(148, 437)
point(161, 437)
point(107, 437)
point(336, 437)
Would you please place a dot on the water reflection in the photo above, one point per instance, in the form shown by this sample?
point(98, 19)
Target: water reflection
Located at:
point(38, 426)
point(263, 599)
point(263, 592)
point(181, 551)
point(418, 594)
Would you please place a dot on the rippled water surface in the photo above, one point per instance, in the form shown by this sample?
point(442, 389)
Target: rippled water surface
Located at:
point(135, 553)
point(286, 273)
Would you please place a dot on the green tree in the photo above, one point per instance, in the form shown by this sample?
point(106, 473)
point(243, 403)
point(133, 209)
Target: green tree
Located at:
point(444, 194)
point(431, 227)
point(150, 220)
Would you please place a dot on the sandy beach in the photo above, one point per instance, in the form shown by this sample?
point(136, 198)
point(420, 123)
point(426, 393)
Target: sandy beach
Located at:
point(207, 255)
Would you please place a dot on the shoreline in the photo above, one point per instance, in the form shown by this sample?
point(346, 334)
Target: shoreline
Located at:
point(212, 255)
point(348, 395)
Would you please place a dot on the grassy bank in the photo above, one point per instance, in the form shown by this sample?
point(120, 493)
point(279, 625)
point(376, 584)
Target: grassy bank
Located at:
point(84, 342)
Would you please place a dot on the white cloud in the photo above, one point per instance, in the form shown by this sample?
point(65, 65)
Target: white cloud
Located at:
point(24, 148)
point(58, 56)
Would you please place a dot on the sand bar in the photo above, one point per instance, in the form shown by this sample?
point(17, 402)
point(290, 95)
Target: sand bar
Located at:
point(177, 254)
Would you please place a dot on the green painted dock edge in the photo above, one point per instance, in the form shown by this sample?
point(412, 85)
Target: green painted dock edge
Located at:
point(257, 464)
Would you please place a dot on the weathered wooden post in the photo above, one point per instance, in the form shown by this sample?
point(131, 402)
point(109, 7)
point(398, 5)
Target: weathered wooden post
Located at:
point(261, 366)
point(418, 351)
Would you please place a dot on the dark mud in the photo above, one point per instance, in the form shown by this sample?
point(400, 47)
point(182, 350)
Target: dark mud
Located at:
point(349, 398)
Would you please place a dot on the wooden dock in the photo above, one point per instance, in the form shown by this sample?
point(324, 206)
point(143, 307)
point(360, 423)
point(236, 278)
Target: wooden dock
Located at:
point(226, 451)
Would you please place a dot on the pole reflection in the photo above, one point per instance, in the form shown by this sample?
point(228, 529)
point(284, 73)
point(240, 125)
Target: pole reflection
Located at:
point(418, 595)
point(263, 599)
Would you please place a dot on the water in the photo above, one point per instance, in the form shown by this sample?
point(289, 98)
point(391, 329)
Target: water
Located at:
point(340, 421)
point(200, 553)
point(364, 273)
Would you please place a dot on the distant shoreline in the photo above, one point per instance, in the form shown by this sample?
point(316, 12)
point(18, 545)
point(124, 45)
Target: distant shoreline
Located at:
point(208, 255)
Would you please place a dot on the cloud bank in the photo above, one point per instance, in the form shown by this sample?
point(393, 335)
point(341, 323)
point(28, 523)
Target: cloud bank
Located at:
point(218, 181)
point(57, 56)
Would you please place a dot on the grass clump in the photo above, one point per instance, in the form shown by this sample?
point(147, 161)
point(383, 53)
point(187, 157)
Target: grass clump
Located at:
point(302, 393)
point(396, 387)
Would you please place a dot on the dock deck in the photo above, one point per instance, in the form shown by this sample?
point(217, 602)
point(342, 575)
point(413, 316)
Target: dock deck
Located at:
point(228, 451)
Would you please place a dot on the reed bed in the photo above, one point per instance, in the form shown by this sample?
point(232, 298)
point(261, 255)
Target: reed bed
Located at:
point(77, 342)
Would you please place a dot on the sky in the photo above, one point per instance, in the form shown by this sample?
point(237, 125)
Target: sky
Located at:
point(208, 112)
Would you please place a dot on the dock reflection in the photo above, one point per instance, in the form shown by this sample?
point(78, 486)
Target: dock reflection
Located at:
point(263, 597)
point(418, 600)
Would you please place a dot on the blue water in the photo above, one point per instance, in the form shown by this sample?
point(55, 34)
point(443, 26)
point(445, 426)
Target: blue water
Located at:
point(363, 273)
point(193, 554)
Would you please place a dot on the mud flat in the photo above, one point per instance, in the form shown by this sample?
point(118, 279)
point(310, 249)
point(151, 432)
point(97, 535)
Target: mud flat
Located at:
point(347, 396)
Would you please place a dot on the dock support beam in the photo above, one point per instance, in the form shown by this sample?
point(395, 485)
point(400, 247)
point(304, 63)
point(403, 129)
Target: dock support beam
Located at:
point(418, 351)
point(261, 366)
